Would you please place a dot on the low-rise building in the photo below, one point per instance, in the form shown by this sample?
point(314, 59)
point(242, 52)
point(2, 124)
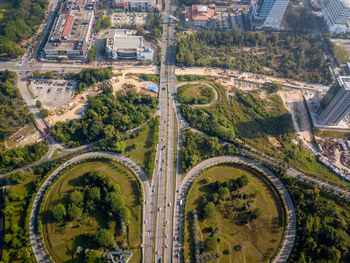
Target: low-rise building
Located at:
point(201, 15)
point(123, 45)
point(135, 5)
point(71, 31)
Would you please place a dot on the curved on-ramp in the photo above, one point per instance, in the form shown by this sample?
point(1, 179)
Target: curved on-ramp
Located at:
point(289, 237)
point(35, 238)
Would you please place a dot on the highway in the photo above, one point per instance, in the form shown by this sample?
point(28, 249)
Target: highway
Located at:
point(163, 208)
point(169, 236)
point(161, 169)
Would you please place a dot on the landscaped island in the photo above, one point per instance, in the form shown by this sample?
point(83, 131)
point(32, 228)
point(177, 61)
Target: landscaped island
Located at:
point(233, 214)
point(95, 206)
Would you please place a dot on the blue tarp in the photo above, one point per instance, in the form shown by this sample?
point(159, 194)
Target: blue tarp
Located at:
point(151, 87)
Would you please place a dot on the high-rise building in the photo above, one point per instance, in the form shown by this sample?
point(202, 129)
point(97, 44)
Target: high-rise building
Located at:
point(335, 104)
point(336, 14)
point(266, 14)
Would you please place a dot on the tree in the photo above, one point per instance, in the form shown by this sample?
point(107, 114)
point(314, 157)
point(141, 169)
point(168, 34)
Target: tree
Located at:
point(210, 243)
point(224, 193)
point(104, 238)
point(92, 257)
point(242, 181)
point(92, 54)
point(74, 212)
point(44, 113)
point(76, 197)
point(115, 202)
point(106, 22)
point(209, 210)
point(94, 194)
point(59, 212)
point(38, 103)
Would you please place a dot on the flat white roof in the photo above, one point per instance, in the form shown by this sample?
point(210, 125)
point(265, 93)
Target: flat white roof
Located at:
point(127, 42)
point(202, 8)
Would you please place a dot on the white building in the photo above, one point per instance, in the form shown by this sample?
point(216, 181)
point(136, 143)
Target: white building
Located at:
point(135, 5)
point(126, 46)
point(336, 14)
point(267, 14)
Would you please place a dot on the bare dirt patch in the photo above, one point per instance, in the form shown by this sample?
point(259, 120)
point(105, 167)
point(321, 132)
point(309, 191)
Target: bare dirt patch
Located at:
point(30, 135)
point(274, 141)
point(75, 107)
point(293, 100)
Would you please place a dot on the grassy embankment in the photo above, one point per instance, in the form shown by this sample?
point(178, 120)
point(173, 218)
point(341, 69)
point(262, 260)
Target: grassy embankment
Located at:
point(261, 237)
point(61, 239)
point(260, 119)
point(195, 94)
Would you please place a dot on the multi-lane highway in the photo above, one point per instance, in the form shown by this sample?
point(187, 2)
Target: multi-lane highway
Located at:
point(164, 196)
point(161, 170)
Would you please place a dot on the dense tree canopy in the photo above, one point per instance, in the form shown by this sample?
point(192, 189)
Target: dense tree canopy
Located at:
point(96, 193)
point(19, 24)
point(289, 56)
point(19, 157)
point(14, 113)
point(90, 76)
point(106, 116)
point(104, 238)
point(323, 229)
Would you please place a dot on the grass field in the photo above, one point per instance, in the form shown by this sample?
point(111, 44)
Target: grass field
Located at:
point(143, 145)
point(195, 94)
point(59, 238)
point(142, 148)
point(261, 237)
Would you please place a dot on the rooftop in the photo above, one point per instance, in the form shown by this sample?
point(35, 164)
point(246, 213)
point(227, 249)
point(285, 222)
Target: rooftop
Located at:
point(128, 42)
point(201, 12)
point(71, 26)
point(124, 40)
point(135, 1)
point(346, 81)
point(347, 2)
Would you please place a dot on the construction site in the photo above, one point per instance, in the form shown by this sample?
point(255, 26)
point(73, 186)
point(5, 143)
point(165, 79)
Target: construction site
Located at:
point(74, 107)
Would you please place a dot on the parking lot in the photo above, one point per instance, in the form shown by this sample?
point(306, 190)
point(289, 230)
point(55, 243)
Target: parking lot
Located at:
point(123, 18)
point(52, 92)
